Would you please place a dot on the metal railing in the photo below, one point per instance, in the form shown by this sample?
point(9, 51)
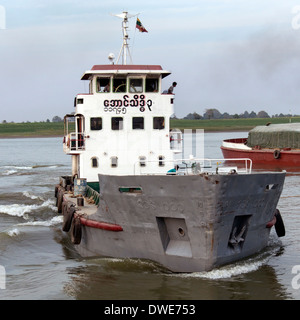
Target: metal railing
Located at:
point(193, 166)
point(74, 141)
point(91, 193)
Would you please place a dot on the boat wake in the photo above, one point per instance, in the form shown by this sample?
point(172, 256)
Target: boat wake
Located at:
point(238, 268)
point(34, 209)
point(231, 270)
point(32, 196)
point(11, 170)
point(22, 210)
point(19, 228)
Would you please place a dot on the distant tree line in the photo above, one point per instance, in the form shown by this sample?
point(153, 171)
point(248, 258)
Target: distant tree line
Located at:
point(57, 119)
point(54, 119)
point(208, 114)
point(216, 114)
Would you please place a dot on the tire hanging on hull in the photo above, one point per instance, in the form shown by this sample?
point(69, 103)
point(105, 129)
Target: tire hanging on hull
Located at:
point(276, 154)
point(76, 231)
point(68, 217)
point(279, 225)
point(59, 200)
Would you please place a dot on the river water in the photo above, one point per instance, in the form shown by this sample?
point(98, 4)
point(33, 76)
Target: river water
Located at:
point(38, 261)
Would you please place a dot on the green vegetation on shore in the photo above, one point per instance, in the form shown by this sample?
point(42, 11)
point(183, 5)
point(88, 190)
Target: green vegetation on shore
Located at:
point(46, 129)
point(228, 124)
point(31, 129)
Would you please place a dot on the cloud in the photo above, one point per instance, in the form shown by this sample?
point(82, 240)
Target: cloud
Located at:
point(258, 73)
point(223, 53)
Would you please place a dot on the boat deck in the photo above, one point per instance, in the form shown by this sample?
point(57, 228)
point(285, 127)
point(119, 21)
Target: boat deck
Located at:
point(85, 208)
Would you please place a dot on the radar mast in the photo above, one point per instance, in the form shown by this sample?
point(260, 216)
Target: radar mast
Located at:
point(124, 52)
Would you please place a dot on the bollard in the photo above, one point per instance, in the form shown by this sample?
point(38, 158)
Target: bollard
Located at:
point(80, 202)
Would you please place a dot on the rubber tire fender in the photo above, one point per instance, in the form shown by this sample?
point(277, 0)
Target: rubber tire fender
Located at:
point(276, 154)
point(64, 207)
point(279, 225)
point(76, 231)
point(68, 218)
point(56, 190)
point(59, 201)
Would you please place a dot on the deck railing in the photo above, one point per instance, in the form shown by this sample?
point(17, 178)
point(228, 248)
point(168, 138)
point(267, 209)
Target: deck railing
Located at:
point(91, 193)
point(74, 141)
point(195, 166)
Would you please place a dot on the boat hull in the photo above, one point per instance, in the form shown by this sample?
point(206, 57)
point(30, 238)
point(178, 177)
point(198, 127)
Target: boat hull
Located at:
point(185, 223)
point(287, 159)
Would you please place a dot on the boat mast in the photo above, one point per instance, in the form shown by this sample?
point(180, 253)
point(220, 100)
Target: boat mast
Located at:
point(125, 47)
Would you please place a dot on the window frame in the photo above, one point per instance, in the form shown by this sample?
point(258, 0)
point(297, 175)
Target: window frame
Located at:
point(97, 162)
point(120, 78)
point(142, 161)
point(161, 161)
point(114, 161)
point(147, 85)
point(157, 125)
point(109, 83)
point(101, 124)
point(135, 79)
point(138, 123)
point(118, 121)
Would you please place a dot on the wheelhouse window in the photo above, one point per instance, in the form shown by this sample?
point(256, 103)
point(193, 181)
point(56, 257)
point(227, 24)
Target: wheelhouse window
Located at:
point(96, 123)
point(158, 123)
point(119, 84)
point(137, 123)
point(136, 85)
point(152, 84)
point(117, 123)
point(103, 84)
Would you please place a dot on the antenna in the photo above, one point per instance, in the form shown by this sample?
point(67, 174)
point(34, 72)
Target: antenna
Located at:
point(125, 47)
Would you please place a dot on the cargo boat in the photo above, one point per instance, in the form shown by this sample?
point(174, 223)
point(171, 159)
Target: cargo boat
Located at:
point(131, 196)
point(273, 146)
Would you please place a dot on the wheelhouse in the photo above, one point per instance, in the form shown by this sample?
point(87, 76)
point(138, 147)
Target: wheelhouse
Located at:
point(121, 123)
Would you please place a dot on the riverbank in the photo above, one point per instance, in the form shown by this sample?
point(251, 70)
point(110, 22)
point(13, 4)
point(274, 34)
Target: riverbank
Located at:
point(56, 129)
point(31, 129)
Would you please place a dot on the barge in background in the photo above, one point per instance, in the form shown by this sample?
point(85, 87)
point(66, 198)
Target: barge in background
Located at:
point(274, 146)
point(122, 200)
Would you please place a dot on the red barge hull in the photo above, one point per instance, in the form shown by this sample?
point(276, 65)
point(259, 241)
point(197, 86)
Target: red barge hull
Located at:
point(282, 159)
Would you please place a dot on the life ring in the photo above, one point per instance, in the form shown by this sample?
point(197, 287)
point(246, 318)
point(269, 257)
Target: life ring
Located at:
point(76, 231)
point(276, 154)
point(67, 218)
point(279, 225)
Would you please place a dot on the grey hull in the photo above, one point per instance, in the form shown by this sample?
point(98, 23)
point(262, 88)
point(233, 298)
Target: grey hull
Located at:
point(186, 223)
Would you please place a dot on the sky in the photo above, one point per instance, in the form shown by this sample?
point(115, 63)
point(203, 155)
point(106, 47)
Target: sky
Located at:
point(231, 55)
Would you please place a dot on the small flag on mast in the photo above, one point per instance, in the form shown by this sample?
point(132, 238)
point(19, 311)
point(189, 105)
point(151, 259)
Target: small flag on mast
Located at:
point(140, 26)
